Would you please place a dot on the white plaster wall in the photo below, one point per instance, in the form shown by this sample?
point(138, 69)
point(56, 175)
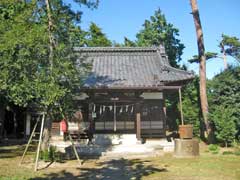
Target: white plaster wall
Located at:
point(152, 95)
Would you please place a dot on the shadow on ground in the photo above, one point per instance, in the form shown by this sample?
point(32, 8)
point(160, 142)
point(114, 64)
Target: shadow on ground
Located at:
point(12, 149)
point(122, 169)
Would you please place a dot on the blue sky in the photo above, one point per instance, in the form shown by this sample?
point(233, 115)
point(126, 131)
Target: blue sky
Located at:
point(119, 18)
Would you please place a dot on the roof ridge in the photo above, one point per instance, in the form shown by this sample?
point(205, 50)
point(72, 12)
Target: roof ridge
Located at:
point(116, 49)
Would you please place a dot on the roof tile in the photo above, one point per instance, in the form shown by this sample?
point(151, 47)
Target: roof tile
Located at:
point(130, 67)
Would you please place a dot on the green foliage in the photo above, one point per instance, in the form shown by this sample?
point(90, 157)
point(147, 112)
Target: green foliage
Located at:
point(224, 121)
point(209, 55)
point(231, 46)
point(224, 98)
point(214, 148)
point(236, 146)
point(227, 153)
point(51, 155)
point(25, 72)
point(191, 104)
point(157, 31)
point(129, 43)
point(44, 155)
point(96, 38)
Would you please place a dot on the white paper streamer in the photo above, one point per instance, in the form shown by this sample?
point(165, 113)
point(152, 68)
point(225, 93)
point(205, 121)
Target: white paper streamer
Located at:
point(110, 108)
point(100, 110)
point(121, 110)
point(132, 110)
point(94, 108)
point(126, 108)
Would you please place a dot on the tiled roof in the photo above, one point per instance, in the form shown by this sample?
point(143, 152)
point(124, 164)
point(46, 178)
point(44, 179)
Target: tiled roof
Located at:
point(129, 67)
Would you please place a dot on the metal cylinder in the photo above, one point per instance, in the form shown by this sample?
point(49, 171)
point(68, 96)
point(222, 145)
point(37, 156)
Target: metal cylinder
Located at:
point(185, 131)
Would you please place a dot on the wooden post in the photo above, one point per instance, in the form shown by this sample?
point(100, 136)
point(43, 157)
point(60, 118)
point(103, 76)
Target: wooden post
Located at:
point(15, 124)
point(28, 125)
point(138, 126)
point(29, 141)
point(180, 105)
point(138, 122)
point(114, 117)
point(74, 149)
point(90, 118)
point(164, 112)
point(39, 143)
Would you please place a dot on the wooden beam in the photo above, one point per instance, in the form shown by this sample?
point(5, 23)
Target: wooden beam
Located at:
point(104, 89)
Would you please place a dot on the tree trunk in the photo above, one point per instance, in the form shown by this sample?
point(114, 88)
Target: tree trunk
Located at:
point(48, 122)
point(46, 132)
point(226, 144)
point(202, 66)
point(224, 57)
point(50, 35)
point(2, 119)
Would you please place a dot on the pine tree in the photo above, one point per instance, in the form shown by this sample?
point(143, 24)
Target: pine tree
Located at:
point(96, 38)
point(202, 67)
point(157, 31)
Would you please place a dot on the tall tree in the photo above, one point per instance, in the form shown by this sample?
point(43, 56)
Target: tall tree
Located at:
point(129, 43)
point(36, 62)
point(96, 38)
point(157, 31)
point(224, 93)
point(202, 65)
point(190, 104)
point(230, 46)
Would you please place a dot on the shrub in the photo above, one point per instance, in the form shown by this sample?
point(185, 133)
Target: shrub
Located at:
point(213, 148)
point(51, 155)
point(236, 147)
point(237, 153)
point(227, 153)
point(225, 127)
point(45, 156)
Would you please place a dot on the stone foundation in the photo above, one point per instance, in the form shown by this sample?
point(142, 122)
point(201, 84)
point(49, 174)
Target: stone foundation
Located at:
point(115, 145)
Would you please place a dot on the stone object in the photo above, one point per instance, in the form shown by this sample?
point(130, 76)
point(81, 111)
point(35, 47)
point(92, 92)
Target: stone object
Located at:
point(186, 147)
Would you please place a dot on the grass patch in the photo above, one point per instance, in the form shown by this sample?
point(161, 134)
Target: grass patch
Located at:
point(206, 167)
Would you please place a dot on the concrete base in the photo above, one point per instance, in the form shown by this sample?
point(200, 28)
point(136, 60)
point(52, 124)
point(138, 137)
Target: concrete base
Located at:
point(116, 146)
point(186, 147)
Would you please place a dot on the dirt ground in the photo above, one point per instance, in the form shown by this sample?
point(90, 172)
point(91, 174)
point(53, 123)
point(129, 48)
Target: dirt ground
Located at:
point(207, 166)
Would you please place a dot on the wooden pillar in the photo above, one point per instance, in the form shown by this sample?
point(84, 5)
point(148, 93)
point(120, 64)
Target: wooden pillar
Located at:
point(115, 117)
point(28, 125)
point(2, 119)
point(180, 104)
point(90, 116)
point(138, 122)
point(138, 126)
point(15, 123)
point(164, 112)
